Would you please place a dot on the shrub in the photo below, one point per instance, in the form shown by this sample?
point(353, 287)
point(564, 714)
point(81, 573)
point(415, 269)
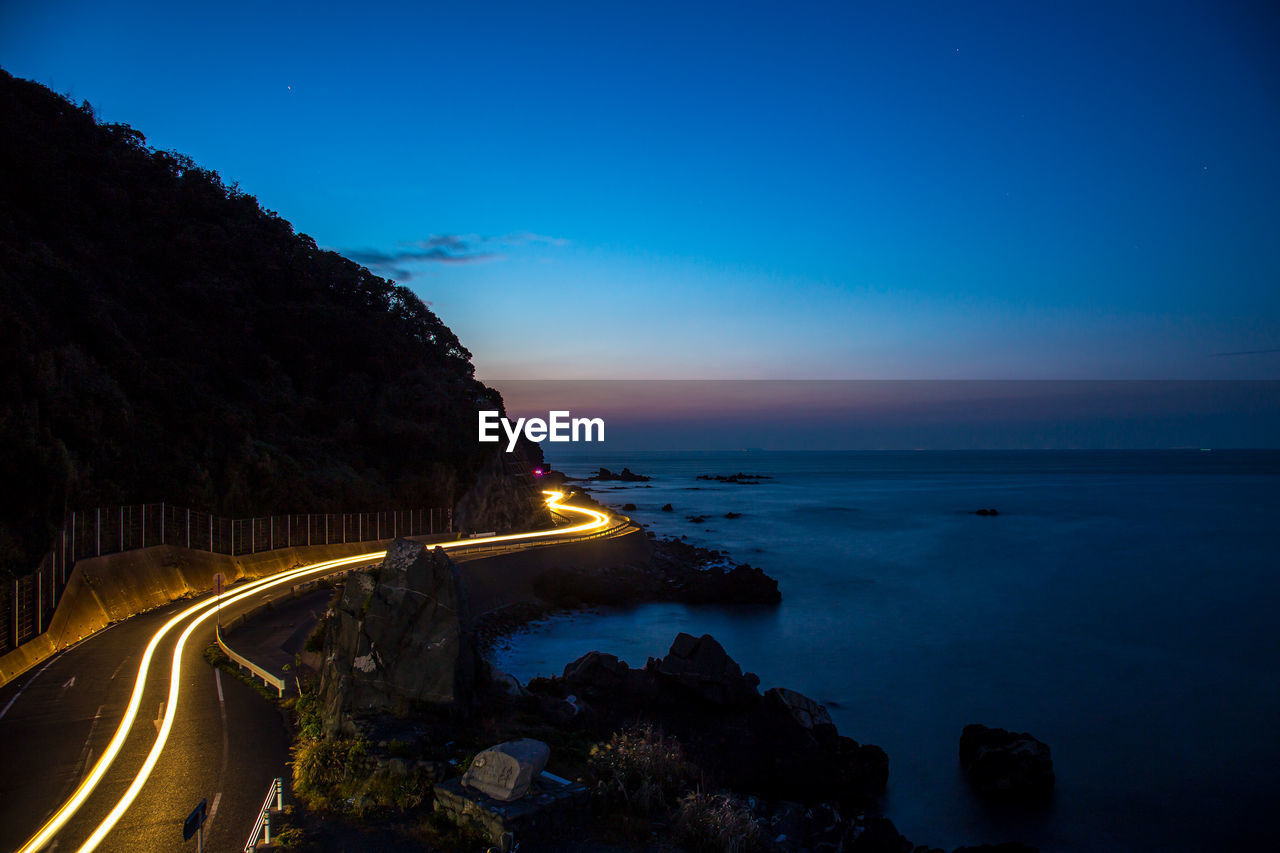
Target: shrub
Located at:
point(326, 772)
point(643, 768)
point(315, 642)
point(715, 823)
point(310, 725)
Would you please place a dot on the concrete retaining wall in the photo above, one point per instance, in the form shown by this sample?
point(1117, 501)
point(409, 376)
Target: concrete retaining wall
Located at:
point(504, 579)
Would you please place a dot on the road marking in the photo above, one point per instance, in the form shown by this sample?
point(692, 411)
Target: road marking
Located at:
point(119, 667)
point(69, 683)
point(49, 663)
point(82, 766)
point(28, 684)
point(159, 720)
point(226, 732)
point(213, 809)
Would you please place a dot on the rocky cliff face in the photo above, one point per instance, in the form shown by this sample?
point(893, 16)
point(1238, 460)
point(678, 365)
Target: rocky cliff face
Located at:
point(505, 495)
point(399, 638)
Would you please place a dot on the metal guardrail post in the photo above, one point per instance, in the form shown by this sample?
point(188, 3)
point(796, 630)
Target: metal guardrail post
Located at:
point(275, 793)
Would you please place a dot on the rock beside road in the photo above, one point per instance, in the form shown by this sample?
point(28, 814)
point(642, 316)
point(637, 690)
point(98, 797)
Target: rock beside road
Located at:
point(1006, 765)
point(398, 639)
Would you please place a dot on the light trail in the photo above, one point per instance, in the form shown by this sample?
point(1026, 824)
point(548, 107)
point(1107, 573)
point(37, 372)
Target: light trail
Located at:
point(597, 521)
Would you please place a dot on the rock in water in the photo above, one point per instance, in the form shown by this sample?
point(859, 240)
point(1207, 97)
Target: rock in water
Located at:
point(1005, 764)
point(703, 667)
point(805, 712)
point(402, 640)
point(506, 771)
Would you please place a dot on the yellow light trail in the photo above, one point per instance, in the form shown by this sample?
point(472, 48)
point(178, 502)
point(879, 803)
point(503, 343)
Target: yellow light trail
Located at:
point(598, 521)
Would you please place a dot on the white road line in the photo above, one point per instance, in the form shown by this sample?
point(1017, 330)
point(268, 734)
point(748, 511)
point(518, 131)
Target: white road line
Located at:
point(213, 808)
point(25, 686)
point(50, 663)
point(83, 766)
point(226, 732)
point(69, 683)
point(119, 667)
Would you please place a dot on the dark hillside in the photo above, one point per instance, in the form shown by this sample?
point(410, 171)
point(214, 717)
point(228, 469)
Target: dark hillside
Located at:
point(163, 337)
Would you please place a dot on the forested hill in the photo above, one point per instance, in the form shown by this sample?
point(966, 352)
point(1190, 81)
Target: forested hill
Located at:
point(163, 337)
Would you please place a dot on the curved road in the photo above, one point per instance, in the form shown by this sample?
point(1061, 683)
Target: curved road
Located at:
point(113, 741)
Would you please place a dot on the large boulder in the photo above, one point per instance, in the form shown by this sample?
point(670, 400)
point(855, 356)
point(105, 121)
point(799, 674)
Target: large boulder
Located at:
point(1006, 765)
point(808, 757)
point(400, 641)
point(702, 667)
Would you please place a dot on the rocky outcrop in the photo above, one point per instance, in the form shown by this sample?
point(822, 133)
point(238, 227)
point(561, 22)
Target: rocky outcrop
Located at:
point(506, 495)
point(703, 668)
point(795, 828)
point(626, 476)
point(399, 638)
point(1006, 765)
point(781, 743)
point(739, 478)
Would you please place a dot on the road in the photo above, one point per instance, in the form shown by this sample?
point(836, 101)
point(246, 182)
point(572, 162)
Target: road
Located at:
point(111, 743)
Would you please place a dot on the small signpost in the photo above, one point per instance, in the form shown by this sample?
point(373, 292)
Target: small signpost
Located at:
point(194, 825)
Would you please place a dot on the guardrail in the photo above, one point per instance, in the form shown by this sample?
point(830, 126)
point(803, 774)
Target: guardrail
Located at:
point(267, 678)
point(262, 826)
point(618, 529)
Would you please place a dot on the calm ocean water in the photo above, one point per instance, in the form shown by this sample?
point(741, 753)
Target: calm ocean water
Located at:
point(1122, 608)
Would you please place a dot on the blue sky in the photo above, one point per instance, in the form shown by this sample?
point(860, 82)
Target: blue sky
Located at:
point(854, 190)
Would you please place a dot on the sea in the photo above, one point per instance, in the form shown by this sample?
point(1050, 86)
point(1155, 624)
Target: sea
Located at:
point(1123, 607)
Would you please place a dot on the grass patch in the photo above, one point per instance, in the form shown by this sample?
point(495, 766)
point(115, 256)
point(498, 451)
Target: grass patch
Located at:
point(642, 769)
point(216, 657)
point(715, 823)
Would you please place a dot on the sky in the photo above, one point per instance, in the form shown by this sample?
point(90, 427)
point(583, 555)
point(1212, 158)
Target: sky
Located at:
point(881, 190)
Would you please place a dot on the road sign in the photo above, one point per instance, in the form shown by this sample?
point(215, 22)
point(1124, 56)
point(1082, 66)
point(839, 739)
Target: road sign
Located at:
point(195, 820)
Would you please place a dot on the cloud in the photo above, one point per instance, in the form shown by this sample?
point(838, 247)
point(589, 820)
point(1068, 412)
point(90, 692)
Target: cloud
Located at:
point(1245, 352)
point(520, 238)
point(444, 249)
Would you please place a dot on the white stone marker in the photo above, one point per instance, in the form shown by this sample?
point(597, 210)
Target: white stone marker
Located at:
point(506, 771)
